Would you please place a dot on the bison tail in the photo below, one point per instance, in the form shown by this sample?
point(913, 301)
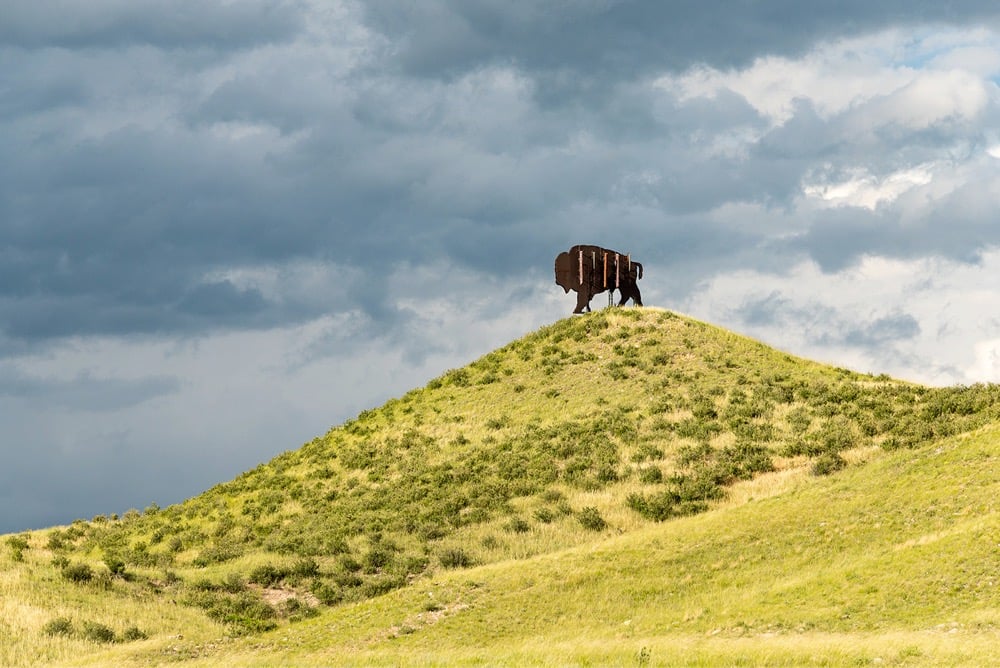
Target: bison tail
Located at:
point(639, 269)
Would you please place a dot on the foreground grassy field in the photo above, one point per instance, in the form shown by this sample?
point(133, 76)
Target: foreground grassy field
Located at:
point(627, 488)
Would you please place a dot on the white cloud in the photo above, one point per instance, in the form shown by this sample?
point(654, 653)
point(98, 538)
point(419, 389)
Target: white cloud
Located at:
point(986, 367)
point(868, 191)
point(880, 69)
point(810, 313)
point(928, 98)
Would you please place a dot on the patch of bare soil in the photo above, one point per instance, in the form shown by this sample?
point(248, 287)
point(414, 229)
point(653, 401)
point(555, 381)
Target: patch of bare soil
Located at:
point(275, 597)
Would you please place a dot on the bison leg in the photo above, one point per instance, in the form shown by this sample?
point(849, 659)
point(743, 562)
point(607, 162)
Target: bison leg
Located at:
point(630, 292)
point(582, 301)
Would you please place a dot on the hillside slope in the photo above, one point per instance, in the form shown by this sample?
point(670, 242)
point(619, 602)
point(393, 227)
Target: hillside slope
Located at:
point(579, 436)
point(892, 563)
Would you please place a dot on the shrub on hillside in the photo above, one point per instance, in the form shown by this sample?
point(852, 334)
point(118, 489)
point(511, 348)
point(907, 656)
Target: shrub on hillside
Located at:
point(647, 451)
point(827, 463)
point(379, 558)
point(697, 429)
point(116, 566)
point(517, 525)
point(98, 632)
point(295, 610)
point(217, 554)
point(327, 593)
point(17, 544)
point(544, 515)
point(742, 461)
point(799, 419)
point(267, 575)
point(60, 626)
point(382, 584)
point(455, 557)
point(56, 540)
point(78, 572)
point(664, 505)
point(590, 518)
point(651, 474)
point(234, 583)
point(243, 613)
point(305, 568)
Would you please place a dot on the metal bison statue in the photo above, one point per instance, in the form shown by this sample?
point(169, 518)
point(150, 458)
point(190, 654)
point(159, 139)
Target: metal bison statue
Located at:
point(590, 270)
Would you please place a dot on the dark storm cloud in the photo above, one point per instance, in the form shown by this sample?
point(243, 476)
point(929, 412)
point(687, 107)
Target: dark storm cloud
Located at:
point(176, 174)
point(182, 24)
point(85, 392)
point(154, 149)
point(896, 327)
point(766, 310)
point(839, 238)
point(827, 325)
point(616, 38)
point(61, 482)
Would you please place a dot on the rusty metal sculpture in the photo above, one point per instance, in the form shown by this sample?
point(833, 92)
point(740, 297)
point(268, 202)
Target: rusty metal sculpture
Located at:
point(590, 270)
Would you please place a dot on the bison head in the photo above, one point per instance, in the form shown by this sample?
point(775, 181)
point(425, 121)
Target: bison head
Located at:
point(565, 275)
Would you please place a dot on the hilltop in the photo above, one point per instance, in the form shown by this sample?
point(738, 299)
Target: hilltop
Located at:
point(627, 461)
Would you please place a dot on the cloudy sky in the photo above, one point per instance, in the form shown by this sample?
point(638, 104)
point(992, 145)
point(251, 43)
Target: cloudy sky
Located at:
point(227, 226)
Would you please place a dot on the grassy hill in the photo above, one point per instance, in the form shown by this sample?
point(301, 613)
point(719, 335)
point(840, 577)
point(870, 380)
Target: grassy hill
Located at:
point(628, 487)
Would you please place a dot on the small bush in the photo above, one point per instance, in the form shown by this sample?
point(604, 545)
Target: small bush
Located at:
point(455, 558)
point(647, 451)
point(327, 593)
point(234, 583)
point(98, 632)
point(18, 544)
point(518, 525)
point(349, 564)
point(827, 463)
point(553, 495)
point(295, 610)
point(78, 572)
point(664, 505)
point(491, 542)
point(498, 423)
point(544, 515)
point(133, 633)
point(115, 565)
point(60, 626)
point(56, 540)
point(651, 474)
point(377, 559)
point(244, 613)
point(742, 461)
point(217, 554)
point(305, 568)
point(267, 575)
point(590, 518)
point(204, 584)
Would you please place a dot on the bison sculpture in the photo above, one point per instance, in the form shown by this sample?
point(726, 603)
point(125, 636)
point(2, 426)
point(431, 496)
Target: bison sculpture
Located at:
point(591, 270)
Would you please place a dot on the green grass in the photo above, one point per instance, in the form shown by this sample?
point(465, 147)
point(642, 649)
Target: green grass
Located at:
point(528, 507)
point(895, 561)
